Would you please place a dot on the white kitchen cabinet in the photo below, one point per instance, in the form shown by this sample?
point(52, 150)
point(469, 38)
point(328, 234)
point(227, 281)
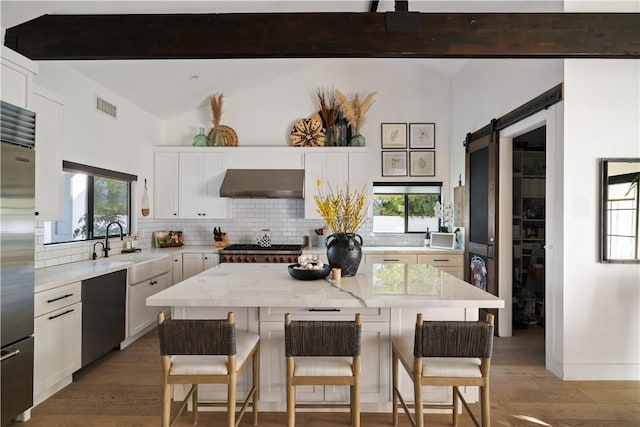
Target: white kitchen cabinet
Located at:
point(17, 78)
point(194, 263)
point(48, 108)
point(336, 170)
point(265, 158)
point(142, 316)
point(58, 339)
point(201, 175)
point(176, 269)
point(332, 169)
point(452, 263)
point(390, 258)
point(166, 185)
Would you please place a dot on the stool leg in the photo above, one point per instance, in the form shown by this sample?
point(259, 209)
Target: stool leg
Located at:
point(394, 387)
point(456, 404)
point(166, 405)
point(231, 400)
point(355, 403)
point(417, 391)
point(256, 383)
point(291, 394)
point(194, 403)
point(484, 405)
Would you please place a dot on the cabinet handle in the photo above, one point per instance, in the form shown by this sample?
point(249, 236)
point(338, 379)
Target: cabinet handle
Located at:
point(9, 354)
point(61, 314)
point(441, 260)
point(154, 282)
point(323, 309)
point(391, 259)
point(59, 298)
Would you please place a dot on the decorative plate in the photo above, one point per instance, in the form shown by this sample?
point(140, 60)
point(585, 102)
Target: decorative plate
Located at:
point(308, 133)
point(230, 136)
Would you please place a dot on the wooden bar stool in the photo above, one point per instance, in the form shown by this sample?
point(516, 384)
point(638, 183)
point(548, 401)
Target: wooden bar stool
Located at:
point(444, 353)
point(323, 353)
point(207, 352)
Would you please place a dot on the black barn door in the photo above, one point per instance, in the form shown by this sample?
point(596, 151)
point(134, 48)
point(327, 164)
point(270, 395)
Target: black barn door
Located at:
point(481, 170)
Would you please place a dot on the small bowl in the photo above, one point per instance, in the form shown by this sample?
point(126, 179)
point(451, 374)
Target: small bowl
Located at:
point(309, 274)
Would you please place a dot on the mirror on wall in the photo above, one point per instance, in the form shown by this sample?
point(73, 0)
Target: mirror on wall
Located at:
point(620, 211)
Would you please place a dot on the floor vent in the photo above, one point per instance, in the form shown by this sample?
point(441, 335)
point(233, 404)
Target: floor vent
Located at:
point(106, 107)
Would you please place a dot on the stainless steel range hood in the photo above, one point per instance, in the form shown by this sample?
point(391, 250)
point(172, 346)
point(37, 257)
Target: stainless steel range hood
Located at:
point(263, 183)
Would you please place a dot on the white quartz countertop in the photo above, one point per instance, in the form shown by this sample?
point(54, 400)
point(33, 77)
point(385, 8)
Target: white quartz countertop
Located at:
point(375, 285)
point(52, 277)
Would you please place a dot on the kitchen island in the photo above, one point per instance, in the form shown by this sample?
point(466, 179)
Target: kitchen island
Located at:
point(387, 295)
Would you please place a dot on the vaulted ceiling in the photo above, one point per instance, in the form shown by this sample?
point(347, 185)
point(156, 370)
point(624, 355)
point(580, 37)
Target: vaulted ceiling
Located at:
point(200, 30)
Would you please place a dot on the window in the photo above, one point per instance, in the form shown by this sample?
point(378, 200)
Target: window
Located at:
point(405, 207)
point(622, 214)
point(91, 198)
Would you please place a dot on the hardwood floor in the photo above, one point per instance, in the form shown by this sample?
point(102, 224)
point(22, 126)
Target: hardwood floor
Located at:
point(123, 389)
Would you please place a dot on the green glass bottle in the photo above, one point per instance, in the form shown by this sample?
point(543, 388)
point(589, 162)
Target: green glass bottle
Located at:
point(200, 140)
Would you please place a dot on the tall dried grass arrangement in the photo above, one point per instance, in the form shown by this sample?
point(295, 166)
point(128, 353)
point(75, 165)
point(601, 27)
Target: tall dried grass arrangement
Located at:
point(216, 108)
point(354, 110)
point(328, 107)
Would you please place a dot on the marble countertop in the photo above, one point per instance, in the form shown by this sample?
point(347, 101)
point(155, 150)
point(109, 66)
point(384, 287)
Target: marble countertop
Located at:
point(375, 285)
point(52, 277)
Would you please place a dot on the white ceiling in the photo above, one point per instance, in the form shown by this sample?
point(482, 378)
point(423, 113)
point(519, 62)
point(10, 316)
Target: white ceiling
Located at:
point(167, 88)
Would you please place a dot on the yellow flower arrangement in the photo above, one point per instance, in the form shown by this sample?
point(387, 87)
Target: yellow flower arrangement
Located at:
point(344, 211)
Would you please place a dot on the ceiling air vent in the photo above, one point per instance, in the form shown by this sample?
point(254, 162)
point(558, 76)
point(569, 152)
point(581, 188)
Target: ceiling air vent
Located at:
point(106, 107)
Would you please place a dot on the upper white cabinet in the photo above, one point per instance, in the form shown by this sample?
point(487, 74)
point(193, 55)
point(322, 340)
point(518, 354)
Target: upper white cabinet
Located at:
point(166, 185)
point(48, 108)
point(187, 184)
point(335, 169)
point(17, 78)
point(199, 186)
point(265, 158)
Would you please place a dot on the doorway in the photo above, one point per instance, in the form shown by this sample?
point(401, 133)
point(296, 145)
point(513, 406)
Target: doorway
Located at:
point(528, 229)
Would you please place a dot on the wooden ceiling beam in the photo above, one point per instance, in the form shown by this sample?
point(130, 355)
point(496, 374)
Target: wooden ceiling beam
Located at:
point(325, 35)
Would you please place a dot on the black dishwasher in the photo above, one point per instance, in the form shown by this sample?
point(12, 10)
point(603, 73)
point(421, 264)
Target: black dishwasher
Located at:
point(103, 314)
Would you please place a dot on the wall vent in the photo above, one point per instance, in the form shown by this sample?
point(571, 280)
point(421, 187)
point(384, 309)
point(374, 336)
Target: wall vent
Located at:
point(106, 107)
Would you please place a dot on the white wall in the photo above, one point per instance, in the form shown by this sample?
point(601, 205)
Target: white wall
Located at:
point(264, 115)
point(595, 331)
point(601, 301)
point(91, 137)
point(486, 89)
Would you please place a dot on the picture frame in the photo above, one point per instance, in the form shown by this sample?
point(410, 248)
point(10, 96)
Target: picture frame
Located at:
point(422, 136)
point(394, 163)
point(422, 163)
point(394, 135)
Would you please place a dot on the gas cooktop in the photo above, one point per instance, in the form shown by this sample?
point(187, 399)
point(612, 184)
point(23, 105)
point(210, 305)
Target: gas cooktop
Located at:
point(258, 248)
point(259, 254)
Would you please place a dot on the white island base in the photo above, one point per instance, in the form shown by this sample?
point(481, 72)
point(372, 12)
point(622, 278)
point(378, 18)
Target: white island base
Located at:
point(387, 295)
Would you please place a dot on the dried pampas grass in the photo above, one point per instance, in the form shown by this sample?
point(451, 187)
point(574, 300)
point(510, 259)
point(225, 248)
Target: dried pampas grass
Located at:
point(353, 109)
point(216, 108)
point(328, 107)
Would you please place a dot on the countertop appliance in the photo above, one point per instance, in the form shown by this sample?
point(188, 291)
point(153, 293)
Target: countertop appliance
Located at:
point(260, 254)
point(17, 251)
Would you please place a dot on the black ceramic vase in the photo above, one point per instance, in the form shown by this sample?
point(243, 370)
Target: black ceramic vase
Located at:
point(344, 251)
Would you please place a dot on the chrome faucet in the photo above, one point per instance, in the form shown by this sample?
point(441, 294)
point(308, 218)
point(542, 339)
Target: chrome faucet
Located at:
point(107, 248)
point(95, 255)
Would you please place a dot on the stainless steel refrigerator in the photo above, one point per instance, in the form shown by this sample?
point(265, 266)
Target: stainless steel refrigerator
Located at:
point(17, 247)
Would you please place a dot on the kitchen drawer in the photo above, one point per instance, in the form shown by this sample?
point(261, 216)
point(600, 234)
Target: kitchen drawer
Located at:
point(390, 258)
point(370, 314)
point(441, 260)
point(53, 299)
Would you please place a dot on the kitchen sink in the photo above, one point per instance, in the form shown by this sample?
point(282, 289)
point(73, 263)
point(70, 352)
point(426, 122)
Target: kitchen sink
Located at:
point(145, 265)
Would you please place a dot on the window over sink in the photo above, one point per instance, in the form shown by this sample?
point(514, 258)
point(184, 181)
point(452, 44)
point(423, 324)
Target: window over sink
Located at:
point(91, 198)
point(404, 207)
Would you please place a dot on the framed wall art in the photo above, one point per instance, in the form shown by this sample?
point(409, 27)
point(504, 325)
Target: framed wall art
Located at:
point(422, 163)
point(394, 163)
point(422, 136)
point(394, 135)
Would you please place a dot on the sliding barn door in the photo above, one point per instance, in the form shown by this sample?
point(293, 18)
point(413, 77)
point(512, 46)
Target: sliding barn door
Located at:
point(481, 171)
